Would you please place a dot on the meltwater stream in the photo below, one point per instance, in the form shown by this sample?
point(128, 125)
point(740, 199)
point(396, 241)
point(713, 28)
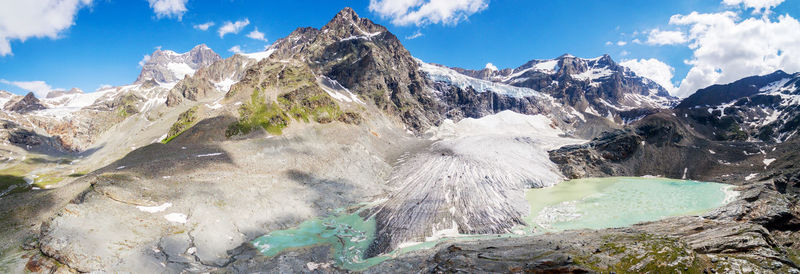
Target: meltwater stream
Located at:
point(593, 203)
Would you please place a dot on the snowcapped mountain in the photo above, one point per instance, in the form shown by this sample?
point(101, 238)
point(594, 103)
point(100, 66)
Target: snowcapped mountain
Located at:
point(765, 108)
point(76, 119)
point(166, 66)
point(597, 86)
point(57, 93)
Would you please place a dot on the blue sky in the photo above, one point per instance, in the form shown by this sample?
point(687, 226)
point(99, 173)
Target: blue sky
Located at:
point(106, 39)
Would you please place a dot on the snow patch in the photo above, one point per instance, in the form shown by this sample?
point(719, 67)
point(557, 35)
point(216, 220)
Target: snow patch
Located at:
point(180, 70)
point(176, 218)
point(258, 56)
point(337, 91)
point(154, 209)
point(208, 155)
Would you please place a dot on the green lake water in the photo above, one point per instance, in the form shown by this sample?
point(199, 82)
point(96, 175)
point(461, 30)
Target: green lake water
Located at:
point(593, 203)
point(597, 203)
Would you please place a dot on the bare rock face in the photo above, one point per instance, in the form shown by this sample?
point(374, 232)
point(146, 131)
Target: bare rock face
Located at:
point(214, 79)
point(191, 88)
point(758, 107)
point(660, 145)
point(27, 104)
point(165, 66)
point(367, 59)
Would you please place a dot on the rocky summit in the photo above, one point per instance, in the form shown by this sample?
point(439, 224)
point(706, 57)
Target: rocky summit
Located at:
point(335, 150)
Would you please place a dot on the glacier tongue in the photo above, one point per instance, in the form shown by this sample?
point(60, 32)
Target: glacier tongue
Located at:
point(473, 176)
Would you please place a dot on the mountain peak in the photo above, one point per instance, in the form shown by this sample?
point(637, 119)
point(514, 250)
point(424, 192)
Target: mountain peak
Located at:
point(347, 12)
point(200, 47)
point(347, 23)
point(166, 66)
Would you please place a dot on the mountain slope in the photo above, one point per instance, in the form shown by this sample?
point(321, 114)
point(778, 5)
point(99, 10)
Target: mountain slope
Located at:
point(765, 108)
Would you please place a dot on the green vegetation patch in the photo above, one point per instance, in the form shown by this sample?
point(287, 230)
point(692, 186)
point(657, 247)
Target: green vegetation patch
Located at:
point(126, 106)
point(309, 103)
point(304, 102)
point(7, 182)
point(258, 113)
point(730, 130)
point(645, 253)
point(45, 180)
point(184, 122)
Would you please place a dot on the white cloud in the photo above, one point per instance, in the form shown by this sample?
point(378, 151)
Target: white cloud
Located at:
point(257, 35)
point(144, 60)
point(103, 86)
point(491, 66)
point(168, 8)
point(416, 35)
point(20, 20)
point(637, 41)
point(758, 5)
point(624, 53)
point(652, 69)
point(621, 43)
point(204, 26)
point(608, 43)
point(235, 49)
point(39, 88)
point(423, 12)
point(232, 27)
point(727, 48)
point(665, 37)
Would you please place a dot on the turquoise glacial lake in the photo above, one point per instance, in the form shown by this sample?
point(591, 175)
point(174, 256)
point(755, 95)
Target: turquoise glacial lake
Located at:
point(593, 203)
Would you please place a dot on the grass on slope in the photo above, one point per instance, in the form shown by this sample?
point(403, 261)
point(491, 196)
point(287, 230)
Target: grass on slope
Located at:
point(184, 122)
point(259, 113)
point(299, 99)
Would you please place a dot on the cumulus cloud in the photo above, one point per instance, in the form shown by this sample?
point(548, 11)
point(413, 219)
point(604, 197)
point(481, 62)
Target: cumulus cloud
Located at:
point(144, 60)
point(204, 26)
point(232, 27)
point(665, 37)
point(20, 20)
point(235, 49)
point(423, 12)
point(757, 5)
point(491, 66)
point(257, 35)
point(727, 48)
point(168, 8)
point(39, 88)
point(621, 43)
point(652, 69)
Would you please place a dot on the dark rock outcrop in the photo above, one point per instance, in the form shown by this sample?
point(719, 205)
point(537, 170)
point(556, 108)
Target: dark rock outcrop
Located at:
point(663, 145)
point(27, 104)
